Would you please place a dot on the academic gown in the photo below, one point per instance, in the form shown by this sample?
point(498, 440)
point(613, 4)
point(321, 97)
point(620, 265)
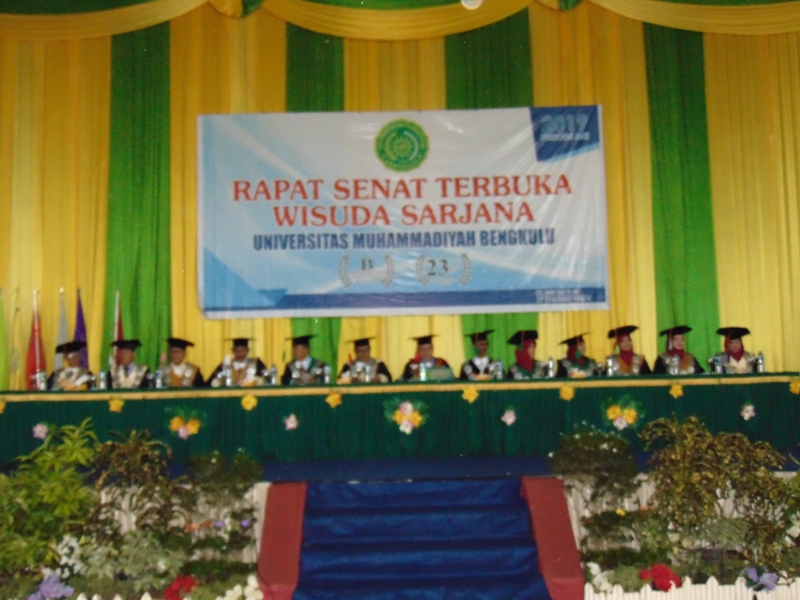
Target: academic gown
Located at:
point(471, 371)
point(589, 367)
point(115, 378)
point(305, 377)
point(378, 368)
point(409, 372)
point(238, 374)
point(687, 366)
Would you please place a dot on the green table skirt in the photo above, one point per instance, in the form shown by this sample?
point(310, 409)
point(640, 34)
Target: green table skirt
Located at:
point(357, 428)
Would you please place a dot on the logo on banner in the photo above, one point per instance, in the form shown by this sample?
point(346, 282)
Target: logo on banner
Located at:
point(402, 145)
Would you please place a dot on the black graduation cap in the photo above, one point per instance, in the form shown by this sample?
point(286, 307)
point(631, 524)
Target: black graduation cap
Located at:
point(574, 340)
point(424, 339)
point(677, 330)
point(127, 344)
point(69, 347)
point(624, 330)
point(361, 342)
point(301, 340)
point(733, 333)
point(522, 336)
point(479, 336)
point(241, 342)
point(179, 343)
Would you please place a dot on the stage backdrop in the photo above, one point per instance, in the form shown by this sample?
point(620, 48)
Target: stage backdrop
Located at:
point(461, 211)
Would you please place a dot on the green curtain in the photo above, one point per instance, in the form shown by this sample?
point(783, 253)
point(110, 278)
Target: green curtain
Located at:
point(61, 7)
point(683, 232)
point(315, 82)
point(490, 67)
point(138, 263)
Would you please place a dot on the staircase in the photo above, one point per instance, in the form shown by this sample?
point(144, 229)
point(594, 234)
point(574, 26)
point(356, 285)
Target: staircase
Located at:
point(431, 540)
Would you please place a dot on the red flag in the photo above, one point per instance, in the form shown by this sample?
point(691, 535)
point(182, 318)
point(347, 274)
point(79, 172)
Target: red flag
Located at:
point(118, 333)
point(36, 363)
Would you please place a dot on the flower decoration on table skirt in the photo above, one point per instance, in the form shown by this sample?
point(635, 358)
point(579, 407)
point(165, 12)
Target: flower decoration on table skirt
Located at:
point(180, 587)
point(676, 390)
point(470, 394)
point(748, 411)
point(291, 422)
point(406, 414)
point(794, 387)
point(115, 405)
point(622, 413)
point(2, 406)
point(40, 431)
point(661, 576)
point(184, 422)
point(758, 579)
point(566, 393)
point(509, 417)
point(334, 400)
point(249, 402)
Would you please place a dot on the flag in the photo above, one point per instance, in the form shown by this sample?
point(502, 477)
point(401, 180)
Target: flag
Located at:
point(118, 332)
point(58, 361)
point(36, 363)
point(80, 332)
point(3, 346)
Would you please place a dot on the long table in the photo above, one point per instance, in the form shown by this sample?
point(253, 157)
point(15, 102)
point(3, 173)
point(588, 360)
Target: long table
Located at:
point(357, 428)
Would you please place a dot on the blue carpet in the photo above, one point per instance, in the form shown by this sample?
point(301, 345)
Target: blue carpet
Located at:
point(422, 540)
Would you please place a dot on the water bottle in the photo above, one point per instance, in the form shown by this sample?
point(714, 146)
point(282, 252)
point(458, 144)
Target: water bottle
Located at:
point(326, 374)
point(761, 366)
point(719, 368)
point(498, 370)
point(227, 375)
point(674, 364)
point(41, 381)
point(610, 366)
point(159, 379)
point(102, 382)
point(423, 372)
point(551, 367)
point(273, 375)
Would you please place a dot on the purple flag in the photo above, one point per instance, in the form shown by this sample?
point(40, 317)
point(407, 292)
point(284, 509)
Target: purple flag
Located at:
point(80, 333)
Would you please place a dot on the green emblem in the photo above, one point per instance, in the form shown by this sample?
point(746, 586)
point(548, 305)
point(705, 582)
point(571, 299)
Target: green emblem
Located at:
point(402, 145)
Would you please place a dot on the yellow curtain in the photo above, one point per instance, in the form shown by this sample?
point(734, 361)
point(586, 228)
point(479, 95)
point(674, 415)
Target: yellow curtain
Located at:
point(592, 56)
point(398, 76)
point(54, 104)
point(218, 65)
point(753, 97)
point(759, 19)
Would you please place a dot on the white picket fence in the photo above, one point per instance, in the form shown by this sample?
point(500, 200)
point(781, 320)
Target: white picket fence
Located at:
point(711, 590)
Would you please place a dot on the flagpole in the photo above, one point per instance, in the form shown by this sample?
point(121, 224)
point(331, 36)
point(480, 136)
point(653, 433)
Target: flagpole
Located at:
point(37, 330)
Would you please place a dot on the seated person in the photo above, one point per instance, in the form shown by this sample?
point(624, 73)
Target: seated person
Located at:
point(734, 360)
point(304, 368)
point(180, 372)
point(481, 368)
point(577, 365)
point(626, 361)
point(676, 361)
point(239, 370)
point(364, 368)
point(72, 377)
point(526, 367)
point(416, 369)
point(127, 374)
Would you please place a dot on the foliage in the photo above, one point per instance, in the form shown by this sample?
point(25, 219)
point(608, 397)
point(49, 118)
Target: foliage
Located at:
point(694, 471)
point(45, 498)
point(597, 464)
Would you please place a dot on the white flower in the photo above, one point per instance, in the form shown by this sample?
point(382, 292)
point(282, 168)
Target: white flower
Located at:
point(407, 426)
point(509, 417)
point(620, 423)
point(748, 412)
point(291, 422)
point(406, 408)
point(604, 446)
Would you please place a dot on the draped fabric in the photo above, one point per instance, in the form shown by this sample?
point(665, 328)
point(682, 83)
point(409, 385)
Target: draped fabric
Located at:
point(683, 230)
point(138, 263)
point(753, 93)
point(484, 70)
point(218, 65)
point(54, 118)
point(398, 76)
point(592, 56)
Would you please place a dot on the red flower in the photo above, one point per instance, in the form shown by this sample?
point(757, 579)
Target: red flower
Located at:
point(661, 576)
point(182, 583)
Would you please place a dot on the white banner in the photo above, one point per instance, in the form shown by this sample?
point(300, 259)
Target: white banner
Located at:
point(326, 214)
